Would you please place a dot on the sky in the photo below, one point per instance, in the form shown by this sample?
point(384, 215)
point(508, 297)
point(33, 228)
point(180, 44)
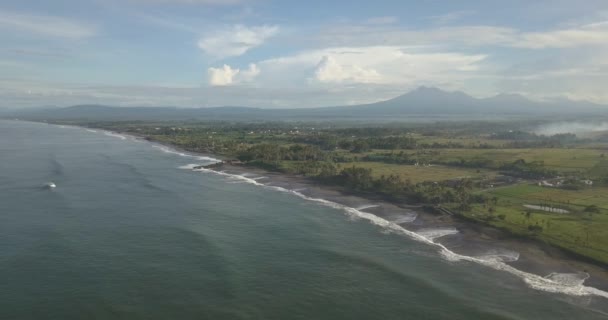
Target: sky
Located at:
point(283, 53)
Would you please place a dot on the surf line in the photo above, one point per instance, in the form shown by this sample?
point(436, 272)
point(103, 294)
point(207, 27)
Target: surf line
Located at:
point(547, 284)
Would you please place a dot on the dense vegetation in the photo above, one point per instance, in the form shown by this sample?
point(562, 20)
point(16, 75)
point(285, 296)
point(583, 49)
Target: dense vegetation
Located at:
point(500, 174)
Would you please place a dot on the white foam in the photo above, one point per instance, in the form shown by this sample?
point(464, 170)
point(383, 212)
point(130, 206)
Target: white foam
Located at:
point(405, 218)
point(92, 131)
point(569, 279)
point(190, 166)
point(434, 233)
point(259, 178)
point(115, 135)
point(368, 206)
point(186, 155)
point(553, 284)
point(500, 255)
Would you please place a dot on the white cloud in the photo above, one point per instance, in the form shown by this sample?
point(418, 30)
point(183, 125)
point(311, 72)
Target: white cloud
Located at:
point(372, 35)
point(46, 25)
point(236, 41)
point(590, 34)
point(222, 76)
point(227, 75)
point(249, 74)
point(329, 70)
point(388, 65)
point(451, 17)
point(593, 34)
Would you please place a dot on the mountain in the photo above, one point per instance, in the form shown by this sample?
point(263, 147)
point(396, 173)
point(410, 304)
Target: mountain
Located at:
point(422, 103)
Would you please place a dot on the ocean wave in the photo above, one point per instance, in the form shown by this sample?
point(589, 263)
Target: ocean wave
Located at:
point(434, 233)
point(368, 206)
point(553, 283)
point(404, 218)
point(500, 255)
point(92, 131)
point(186, 155)
point(115, 135)
point(190, 166)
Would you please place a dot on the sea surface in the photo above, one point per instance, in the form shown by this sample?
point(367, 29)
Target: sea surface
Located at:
point(130, 233)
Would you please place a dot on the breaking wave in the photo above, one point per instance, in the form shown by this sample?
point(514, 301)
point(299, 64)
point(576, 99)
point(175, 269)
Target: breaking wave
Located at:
point(405, 218)
point(115, 135)
point(434, 233)
point(186, 155)
point(190, 166)
point(570, 284)
point(502, 255)
point(367, 206)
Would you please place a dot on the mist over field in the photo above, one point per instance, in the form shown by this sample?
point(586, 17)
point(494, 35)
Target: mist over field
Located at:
point(575, 127)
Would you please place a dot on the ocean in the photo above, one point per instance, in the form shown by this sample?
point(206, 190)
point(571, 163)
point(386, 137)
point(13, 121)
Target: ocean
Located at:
point(132, 232)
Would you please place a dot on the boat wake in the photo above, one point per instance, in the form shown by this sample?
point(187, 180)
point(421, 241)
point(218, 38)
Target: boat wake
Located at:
point(570, 284)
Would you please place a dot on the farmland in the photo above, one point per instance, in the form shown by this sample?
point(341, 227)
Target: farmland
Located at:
point(481, 171)
point(582, 229)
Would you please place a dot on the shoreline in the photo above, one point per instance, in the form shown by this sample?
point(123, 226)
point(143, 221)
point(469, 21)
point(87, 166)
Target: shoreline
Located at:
point(471, 239)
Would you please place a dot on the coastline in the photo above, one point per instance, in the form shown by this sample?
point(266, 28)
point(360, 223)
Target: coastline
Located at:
point(482, 244)
point(471, 239)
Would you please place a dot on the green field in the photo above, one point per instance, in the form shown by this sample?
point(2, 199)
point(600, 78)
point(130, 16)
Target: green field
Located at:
point(578, 199)
point(421, 174)
point(578, 230)
point(559, 159)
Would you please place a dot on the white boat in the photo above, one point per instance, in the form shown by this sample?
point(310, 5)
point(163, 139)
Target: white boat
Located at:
point(51, 185)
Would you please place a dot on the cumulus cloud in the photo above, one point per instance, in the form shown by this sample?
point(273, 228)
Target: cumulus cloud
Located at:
point(227, 75)
point(329, 70)
point(389, 65)
point(46, 25)
point(235, 41)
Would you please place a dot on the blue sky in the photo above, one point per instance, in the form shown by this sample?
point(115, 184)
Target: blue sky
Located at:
point(270, 53)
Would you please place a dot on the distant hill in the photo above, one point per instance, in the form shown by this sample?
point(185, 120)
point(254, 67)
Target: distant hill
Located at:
point(422, 103)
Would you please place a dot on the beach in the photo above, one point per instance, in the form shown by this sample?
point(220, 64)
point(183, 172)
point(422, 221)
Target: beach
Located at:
point(484, 244)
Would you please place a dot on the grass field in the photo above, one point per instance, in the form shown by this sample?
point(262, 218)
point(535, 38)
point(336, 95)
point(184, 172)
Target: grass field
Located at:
point(576, 199)
point(560, 159)
point(420, 174)
point(578, 231)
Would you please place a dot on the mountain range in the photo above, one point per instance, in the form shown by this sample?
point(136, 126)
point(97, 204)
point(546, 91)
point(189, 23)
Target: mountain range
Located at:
point(421, 103)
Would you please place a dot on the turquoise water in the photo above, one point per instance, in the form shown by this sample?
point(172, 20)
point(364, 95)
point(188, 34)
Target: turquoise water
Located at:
point(127, 234)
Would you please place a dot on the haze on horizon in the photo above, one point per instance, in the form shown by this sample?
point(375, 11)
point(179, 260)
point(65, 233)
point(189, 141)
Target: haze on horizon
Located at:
point(269, 53)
